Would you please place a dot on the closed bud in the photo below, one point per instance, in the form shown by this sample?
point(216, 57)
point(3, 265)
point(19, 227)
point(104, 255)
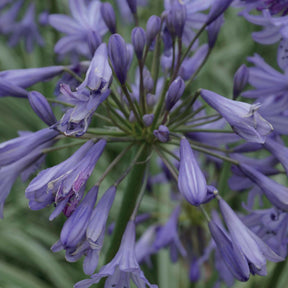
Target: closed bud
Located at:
point(218, 7)
point(118, 55)
point(240, 80)
point(148, 82)
point(162, 134)
point(191, 181)
point(152, 28)
point(151, 100)
point(132, 5)
point(41, 107)
point(176, 19)
point(213, 31)
point(148, 119)
point(174, 93)
point(108, 16)
point(138, 38)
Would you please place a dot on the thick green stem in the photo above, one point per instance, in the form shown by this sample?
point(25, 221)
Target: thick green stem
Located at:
point(129, 201)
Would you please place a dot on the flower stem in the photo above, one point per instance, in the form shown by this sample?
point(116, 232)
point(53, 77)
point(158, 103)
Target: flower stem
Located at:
point(129, 200)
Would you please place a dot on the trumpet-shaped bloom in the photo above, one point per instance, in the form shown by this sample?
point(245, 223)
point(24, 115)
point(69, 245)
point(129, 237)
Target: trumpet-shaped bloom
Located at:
point(122, 267)
point(83, 30)
point(191, 181)
point(63, 182)
point(242, 117)
point(249, 244)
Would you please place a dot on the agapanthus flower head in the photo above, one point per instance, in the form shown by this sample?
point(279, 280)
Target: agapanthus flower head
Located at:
point(191, 180)
point(122, 267)
point(242, 117)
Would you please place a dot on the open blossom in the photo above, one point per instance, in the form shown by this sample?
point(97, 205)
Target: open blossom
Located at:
point(122, 267)
point(62, 183)
point(83, 30)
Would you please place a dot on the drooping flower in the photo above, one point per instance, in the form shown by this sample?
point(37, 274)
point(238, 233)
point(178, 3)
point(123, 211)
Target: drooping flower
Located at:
point(191, 181)
point(122, 267)
point(63, 182)
point(242, 117)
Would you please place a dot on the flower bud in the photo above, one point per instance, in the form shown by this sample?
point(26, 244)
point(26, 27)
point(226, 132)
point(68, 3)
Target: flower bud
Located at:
point(240, 80)
point(41, 107)
point(191, 181)
point(138, 38)
point(108, 16)
point(176, 19)
point(118, 55)
point(152, 28)
point(218, 7)
point(148, 119)
point(162, 134)
point(148, 82)
point(132, 5)
point(213, 30)
point(151, 100)
point(174, 93)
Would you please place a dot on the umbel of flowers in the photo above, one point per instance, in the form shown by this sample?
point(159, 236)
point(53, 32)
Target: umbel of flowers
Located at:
point(152, 111)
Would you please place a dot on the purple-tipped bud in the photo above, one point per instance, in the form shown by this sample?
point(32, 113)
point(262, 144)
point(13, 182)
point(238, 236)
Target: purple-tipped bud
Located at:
point(213, 30)
point(148, 82)
point(148, 119)
point(176, 19)
point(174, 93)
point(74, 229)
point(118, 55)
point(162, 134)
point(240, 80)
point(151, 100)
point(132, 118)
point(43, 18)
point(138, 38)
point(108, 16)
point(41, 107)
point(218, 7)
point(191, 181)
point(152, 28)
point(132, 5)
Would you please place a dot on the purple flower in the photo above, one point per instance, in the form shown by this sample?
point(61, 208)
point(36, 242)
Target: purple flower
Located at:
point(17, 148)
point(74, 229)
point(242, 117)
point(122, 267)
point(148, 119)
point(41, 107)
point(9, 16)
point(174, 93)
point(108, 16)
point(213, 30)
point(99, 73)
point(138, 38)
point(276, 193)
point(162, 133)
point(191, 181)
point(240, 80)
point(217, 8)
point(119, 57)
point(25, 78)
point(76, 120)
point(63, 182)
point(167, 235)
point(152, 28)
point(25, 165)
point(26, 29)
point(249, 244)
point(84, 29)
